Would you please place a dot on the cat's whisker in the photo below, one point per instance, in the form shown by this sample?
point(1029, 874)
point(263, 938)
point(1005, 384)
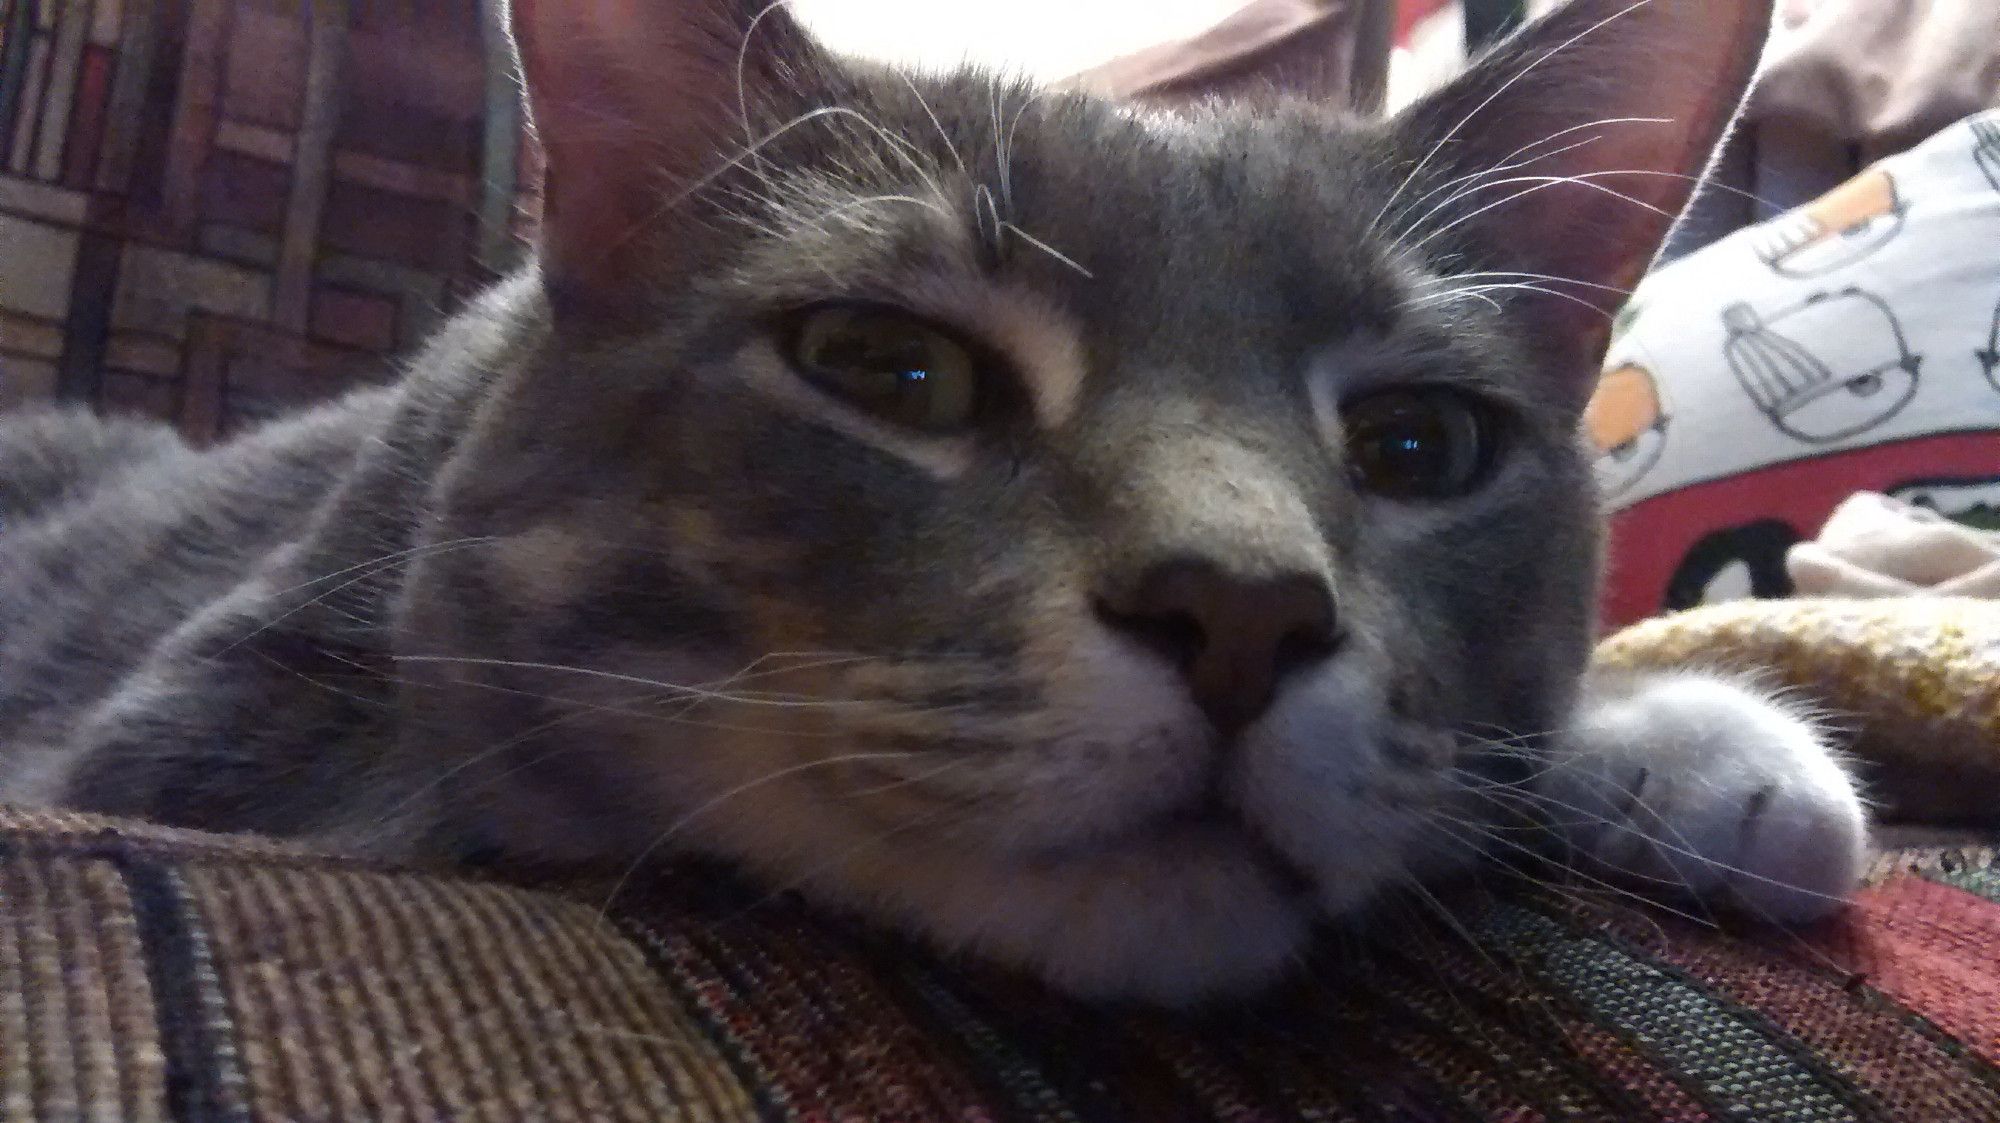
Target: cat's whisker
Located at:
point(1679, 845)
point(910, 781)
point(361, 572)
point(1028, 101)
point(1713, 184)
point(1481, 292)
point(802, 878)
point(1457, 294)
point(446, 546)
point(1415, 886)
point(913, 158)
point(1499, 273)
point(709, 806)
point(840, 211)
point(668, 688)
point(631, 709)
point(1651, 901)
point(1451, 133)
point(924, 104)
point(1540, 183)
point(688, 697)
point(1502, 966)
point(1581, 179)
point(742, 62)
point(1513, 161)
point(750, 152)
point(1478, 836)
point(1456, 185)
point(318, 683)
point(1046, 248)
point(1001, 171)
point(834, 657)
point(388, 818)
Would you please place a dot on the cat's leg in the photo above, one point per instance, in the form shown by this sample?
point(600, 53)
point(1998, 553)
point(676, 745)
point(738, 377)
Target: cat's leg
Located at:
point(1702, 783)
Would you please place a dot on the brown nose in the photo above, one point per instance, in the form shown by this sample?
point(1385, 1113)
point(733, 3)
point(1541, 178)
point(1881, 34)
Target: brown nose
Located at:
point(1232, 637)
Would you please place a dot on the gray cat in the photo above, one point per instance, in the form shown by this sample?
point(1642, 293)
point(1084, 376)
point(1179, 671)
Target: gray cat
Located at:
point(1106, 538)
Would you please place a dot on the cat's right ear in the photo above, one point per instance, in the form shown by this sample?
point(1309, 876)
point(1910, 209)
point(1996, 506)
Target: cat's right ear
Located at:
point(643, 109)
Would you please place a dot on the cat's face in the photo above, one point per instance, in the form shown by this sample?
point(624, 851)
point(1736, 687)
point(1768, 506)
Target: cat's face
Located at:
point(1107, 539)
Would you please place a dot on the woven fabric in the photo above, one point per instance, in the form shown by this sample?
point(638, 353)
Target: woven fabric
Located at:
point(217, 210)
point(154, 975)
point(1916, 679)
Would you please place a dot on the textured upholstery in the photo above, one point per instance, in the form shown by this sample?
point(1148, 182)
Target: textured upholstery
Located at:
point(151, 975)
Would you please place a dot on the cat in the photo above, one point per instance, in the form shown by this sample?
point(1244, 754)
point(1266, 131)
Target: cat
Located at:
point(1110, 540)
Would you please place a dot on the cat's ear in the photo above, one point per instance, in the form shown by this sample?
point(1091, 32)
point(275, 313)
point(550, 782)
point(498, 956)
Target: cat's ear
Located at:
point(642, 108)
point(1561, 159)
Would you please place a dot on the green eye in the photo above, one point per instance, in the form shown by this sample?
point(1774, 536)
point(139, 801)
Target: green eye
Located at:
point(892, 365)
point(1417, 444)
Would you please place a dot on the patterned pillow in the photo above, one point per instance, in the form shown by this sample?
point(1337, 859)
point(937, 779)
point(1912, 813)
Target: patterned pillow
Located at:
point(1852, 344)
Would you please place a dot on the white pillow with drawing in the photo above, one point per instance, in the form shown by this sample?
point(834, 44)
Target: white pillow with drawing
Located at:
point(1850, 345)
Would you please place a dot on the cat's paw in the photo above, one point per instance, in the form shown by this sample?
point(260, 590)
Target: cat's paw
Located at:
point(1701, 784)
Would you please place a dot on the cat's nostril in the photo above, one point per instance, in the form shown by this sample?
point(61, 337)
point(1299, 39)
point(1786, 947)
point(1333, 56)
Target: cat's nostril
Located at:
point(1233, 638)
point(1302, 647)
point(1176, 637)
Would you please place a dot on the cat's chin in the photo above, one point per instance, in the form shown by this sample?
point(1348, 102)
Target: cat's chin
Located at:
point(1110, 898)
point(1173, 915)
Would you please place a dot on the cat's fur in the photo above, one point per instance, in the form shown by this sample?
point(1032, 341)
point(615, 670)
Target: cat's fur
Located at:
point(602, 578)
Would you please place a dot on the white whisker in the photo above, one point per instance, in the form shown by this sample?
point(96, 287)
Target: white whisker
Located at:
point(1514, 161)
point(1047, 249)
point(366, 570)
point(670, 688)
point(709, 805)
point(1452, 133)
point(1541, 183)
point(925, 105)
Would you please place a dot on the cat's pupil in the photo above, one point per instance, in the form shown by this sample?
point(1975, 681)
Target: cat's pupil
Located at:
point(1416, 444)
point(889, 364)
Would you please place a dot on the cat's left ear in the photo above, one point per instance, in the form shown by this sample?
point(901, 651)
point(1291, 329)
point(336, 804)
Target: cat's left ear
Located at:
point(645, 110)
point(1561, 159)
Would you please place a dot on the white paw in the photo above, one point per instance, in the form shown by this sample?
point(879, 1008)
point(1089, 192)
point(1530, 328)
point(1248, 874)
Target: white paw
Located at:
point(1697, 784)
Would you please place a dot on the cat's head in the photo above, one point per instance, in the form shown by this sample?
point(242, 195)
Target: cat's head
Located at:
point(1108, 539)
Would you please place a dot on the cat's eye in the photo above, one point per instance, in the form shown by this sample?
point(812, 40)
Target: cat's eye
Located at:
point(1428, 443)
point(889, 364)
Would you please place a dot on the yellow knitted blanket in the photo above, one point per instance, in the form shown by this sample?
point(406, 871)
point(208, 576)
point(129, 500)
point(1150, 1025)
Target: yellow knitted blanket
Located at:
point(1916, 680)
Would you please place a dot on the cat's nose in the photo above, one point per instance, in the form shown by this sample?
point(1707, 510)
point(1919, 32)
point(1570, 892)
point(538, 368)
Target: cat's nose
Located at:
point(1233, 637)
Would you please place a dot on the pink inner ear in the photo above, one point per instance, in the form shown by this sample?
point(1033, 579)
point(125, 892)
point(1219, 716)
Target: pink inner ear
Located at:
point(1604, 114)
point(635, 104)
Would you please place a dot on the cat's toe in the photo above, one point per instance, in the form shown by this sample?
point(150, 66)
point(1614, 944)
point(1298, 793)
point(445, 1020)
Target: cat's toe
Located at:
point(1804, 848)
point(1701, 785)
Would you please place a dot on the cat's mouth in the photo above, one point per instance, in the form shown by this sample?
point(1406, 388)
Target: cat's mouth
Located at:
point(1206, 821)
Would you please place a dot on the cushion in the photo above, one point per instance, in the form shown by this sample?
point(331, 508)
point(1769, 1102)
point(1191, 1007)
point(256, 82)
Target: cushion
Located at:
point(215, 211)
point(1914, 680)
point(148, 974)
point(1847, 346)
